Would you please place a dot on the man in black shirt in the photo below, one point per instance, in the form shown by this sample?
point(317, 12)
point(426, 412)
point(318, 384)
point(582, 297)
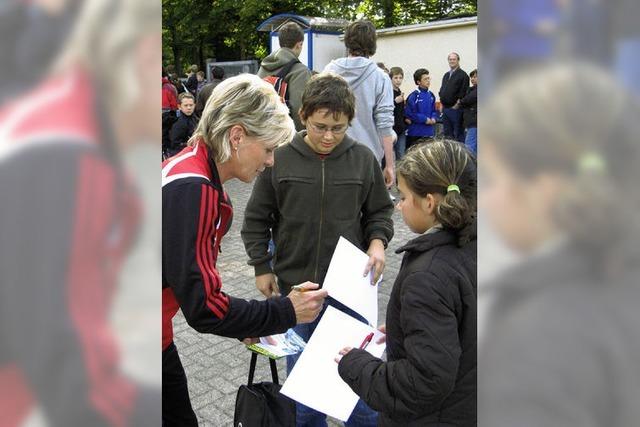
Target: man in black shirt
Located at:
point(455, 84)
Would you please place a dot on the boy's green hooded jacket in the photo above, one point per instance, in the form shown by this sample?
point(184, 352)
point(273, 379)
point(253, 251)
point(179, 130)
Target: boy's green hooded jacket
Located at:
point(309, 202)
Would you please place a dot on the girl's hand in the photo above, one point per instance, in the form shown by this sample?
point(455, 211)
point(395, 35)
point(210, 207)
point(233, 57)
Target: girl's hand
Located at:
point(341, 354)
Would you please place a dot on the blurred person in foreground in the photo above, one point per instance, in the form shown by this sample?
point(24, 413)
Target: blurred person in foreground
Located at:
point(241, 126)
point(562, 344)
point(69, 214)
point(429, 378)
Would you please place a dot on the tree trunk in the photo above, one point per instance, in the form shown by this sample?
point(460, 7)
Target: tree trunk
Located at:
point(387, 11)
point(174, 47)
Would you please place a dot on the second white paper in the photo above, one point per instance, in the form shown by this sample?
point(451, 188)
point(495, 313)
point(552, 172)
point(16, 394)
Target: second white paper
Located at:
point(345, 283)
point(314, 380)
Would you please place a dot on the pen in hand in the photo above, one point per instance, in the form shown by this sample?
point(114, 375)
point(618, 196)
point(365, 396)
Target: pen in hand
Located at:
point(346, 350)
point(366, 341)
point(299, 288)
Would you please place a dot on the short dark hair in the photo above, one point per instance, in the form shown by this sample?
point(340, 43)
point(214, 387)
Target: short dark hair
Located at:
point(360, 38)
point(417, 76)
point(290, 34)
point(473, 73)
point(330, 91)
point(394, 71)
point(217, 72)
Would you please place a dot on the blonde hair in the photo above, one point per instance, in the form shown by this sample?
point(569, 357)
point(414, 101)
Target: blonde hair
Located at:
point(104, 41)
point(431, 167)
point(250, 102)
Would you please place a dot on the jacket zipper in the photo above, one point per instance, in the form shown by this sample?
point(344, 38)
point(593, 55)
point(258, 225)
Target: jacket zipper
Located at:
point(320, 226)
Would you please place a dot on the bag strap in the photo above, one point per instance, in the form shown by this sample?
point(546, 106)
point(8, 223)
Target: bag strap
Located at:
point(252, 369)
point(287, 69)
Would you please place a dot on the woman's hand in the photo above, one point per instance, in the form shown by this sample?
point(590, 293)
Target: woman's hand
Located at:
point(307, 301)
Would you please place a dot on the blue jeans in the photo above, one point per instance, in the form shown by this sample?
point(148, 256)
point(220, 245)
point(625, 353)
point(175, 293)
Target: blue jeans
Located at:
point(400, 146)
point(452, 124)
point(471, 140)
point(362, 415)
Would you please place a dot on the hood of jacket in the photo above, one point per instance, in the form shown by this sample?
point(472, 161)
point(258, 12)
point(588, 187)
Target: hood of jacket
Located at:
point(278, 59)
point(354, 70)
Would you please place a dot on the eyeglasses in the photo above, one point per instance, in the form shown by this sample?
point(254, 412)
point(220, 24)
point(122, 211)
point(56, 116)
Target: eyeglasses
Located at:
point(322, 129)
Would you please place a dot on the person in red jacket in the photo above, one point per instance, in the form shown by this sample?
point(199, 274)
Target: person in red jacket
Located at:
point(70, 213)
point(241, 125)
point(169, 94)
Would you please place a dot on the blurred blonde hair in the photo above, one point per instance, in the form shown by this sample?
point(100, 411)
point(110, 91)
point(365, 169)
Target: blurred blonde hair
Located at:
point(581, 125)
point(104, 41)
point(250, 102)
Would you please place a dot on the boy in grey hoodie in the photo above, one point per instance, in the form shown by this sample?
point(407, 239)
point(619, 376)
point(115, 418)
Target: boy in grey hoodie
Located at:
point(373, 123)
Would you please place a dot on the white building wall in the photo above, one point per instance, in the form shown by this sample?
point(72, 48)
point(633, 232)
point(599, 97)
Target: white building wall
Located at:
point(325, 48)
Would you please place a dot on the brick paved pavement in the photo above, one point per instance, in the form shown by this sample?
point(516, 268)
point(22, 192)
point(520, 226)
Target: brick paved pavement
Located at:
point(217, 366)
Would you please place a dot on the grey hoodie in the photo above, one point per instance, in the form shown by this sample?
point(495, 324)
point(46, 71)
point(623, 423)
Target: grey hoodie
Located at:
point(374, 101)
point(297, 78)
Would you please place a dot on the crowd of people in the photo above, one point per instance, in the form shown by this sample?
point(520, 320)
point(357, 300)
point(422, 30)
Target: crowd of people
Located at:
point(419, 116)
point(324, 161)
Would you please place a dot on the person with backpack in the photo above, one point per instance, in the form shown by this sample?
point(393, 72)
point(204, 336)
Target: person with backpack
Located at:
point(291, 75)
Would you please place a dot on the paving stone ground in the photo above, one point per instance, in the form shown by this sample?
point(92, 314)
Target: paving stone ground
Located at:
point(217, 366)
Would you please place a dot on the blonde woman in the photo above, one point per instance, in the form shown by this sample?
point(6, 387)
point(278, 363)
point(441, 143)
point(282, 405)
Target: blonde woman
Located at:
point(241, 125)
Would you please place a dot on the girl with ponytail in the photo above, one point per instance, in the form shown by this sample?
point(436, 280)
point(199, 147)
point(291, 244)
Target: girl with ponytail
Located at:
point(430, 375)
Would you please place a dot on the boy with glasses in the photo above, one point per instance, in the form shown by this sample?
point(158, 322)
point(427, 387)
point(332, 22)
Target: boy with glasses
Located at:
point(323, 185)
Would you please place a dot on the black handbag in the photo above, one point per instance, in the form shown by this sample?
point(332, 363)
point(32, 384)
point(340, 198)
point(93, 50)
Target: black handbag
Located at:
point(262, 404)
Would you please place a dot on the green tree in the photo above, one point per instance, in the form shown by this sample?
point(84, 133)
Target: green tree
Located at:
point(194, 30)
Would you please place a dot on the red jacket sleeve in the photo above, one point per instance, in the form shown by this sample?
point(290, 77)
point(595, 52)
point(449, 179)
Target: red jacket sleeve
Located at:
point(189, 251)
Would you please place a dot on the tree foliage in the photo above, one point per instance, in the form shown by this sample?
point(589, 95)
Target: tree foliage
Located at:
point(195, 30)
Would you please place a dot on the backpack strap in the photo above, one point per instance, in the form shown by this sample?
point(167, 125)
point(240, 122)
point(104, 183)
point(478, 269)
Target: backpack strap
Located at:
point(287, 69)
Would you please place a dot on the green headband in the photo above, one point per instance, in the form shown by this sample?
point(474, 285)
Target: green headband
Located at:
point(453, 187)
point(591, 162)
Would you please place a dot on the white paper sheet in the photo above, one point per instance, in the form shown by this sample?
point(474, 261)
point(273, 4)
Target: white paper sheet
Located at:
point(315, 381)
point(345, 283)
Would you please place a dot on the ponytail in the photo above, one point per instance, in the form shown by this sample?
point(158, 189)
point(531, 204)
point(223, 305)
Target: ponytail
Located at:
point(447, 168)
